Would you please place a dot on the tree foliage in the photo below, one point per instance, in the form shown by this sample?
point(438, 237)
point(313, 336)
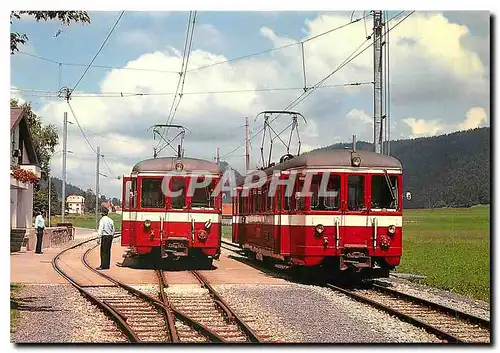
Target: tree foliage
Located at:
point(45, 137)
point(89, 201)
point(41, 200)
point(65, 17)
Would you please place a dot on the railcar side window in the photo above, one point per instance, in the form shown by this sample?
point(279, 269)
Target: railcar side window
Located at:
point(382, 195)
point(127, 190)
point(240, 203)
point(133, 194)
point(202, 196)
point(325, 200)
point(356, 193)
point(152, 194)
point(178, 184)
point(269, 198)
point(301, 200)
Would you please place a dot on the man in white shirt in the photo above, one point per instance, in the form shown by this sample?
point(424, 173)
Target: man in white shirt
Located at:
point(40, 227)
point(105, 233)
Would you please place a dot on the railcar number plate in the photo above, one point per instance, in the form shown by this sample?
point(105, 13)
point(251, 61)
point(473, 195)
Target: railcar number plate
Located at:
point(259, 256)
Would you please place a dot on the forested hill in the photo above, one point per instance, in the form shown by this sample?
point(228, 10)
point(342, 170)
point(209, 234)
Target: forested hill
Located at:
point(450, 170)
point(70, 189)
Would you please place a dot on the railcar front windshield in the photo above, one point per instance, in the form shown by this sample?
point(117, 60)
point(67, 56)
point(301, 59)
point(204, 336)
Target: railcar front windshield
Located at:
point(329, 198)
point(178, 188)
point(203, 195)
point(384, 192)
point(151, 193)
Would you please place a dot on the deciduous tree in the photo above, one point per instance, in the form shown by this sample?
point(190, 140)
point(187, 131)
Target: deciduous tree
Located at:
point(65, 17)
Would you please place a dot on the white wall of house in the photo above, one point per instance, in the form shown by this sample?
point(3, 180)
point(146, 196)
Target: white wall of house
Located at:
point(21, 194)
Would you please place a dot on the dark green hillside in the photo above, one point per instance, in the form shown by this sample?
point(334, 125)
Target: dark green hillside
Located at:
point(450, 170)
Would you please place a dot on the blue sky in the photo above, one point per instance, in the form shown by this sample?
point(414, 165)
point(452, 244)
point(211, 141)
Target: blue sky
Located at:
point(439, 79)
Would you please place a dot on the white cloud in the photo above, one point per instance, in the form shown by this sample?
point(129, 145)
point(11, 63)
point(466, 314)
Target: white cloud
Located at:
point(475, 117)
point(138, 37)
point(358, 115)
point(207, 35)
point(428, 63)
point(421, 127)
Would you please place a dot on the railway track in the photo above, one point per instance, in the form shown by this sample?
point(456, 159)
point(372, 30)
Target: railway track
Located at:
point(112, 313)
point(147, 319)
point(193, 317)
point(450, 325)
point(206, 308)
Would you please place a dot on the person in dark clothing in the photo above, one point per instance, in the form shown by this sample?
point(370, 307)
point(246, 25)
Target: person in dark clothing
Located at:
point(105, 233)
point(40, 227)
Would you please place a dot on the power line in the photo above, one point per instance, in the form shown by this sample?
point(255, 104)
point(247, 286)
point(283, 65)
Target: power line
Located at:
point(205, 66)
point(109, 169)
point(99, 51)
point(278, 48)
point(182, 74)
point(80, 127)
point(350, 58)
point(48, 93)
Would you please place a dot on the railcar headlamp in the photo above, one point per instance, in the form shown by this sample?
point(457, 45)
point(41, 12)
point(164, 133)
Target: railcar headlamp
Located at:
point(355, 159)
point(202, 235)
point(179, 166)
point(147, 223)
point(391, 229)
point(320, 228)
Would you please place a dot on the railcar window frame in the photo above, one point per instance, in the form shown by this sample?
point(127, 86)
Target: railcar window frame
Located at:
point(381, 181)
point(182, 197)
point(362, 189)
point(209, 188)
point(316, 201)
point(157, 202)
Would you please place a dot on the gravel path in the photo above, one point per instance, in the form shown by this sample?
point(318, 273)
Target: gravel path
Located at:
point(59, 314)
point(312, 314)
point(468, 305)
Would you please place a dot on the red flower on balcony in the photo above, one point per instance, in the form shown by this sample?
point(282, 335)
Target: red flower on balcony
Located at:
point(25, 176)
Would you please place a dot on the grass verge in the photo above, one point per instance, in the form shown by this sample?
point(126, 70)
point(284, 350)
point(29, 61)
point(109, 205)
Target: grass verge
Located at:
point(14, 304)
point(451, 247)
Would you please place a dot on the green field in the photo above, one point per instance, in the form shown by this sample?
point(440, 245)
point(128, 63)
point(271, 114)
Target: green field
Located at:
point(451, 247)
point(88, 220)
point(14, 304)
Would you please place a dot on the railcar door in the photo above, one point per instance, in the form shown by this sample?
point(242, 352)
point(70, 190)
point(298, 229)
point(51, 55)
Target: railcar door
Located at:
point(129, 211)
point(355, 225)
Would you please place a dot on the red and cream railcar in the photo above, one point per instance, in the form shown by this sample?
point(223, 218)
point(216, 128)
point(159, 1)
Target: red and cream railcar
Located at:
point(358, 226)
point(176, 223)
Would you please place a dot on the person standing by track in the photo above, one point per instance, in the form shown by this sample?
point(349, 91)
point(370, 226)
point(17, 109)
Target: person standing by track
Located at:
point(40, 227)
point(105, 233)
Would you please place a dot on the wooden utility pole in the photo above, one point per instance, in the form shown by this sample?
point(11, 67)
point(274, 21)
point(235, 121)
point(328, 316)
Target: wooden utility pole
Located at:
point(97, 191)
point(247, 146)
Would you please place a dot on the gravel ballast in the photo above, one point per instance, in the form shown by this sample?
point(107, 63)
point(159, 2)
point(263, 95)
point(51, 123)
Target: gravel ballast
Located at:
point(452, 300)
point(311, 314)
point(59, 314)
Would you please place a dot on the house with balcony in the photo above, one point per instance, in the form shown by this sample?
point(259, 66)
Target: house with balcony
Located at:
point(25, 171)
point(75, 204)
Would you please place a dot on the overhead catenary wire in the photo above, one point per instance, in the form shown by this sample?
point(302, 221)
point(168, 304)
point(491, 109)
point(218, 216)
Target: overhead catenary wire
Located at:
point(81, 129)
point(182, 74)
point(277, 48)
point(98, 52)
point(48, 93)
point(304, 95)
point(197, 68)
